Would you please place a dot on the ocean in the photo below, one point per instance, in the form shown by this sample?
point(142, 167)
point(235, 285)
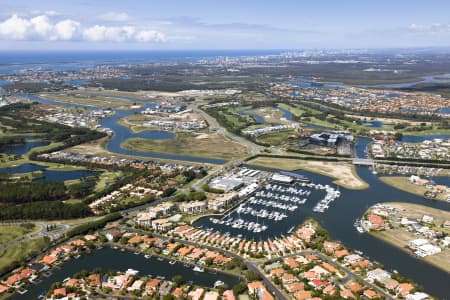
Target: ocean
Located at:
point(20, 61)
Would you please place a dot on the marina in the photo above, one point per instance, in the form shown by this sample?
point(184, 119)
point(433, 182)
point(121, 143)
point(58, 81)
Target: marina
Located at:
point(268, 209)
point(339, 221)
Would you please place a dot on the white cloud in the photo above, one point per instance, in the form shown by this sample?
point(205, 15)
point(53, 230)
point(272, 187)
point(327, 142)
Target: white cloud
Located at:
point(14, 28)
point(65, 30)
point(43, 28)
point(430, 28)
point(114, 16)
point(145, 36)
point(99, 33)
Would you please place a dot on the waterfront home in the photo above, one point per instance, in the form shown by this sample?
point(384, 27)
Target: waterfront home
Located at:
point(58, 293)
point(403, 289)
point(378, 274)
point(136, 286)
point(94, 280)
point(352, 258)
point(165, 288)
point(417, 296)
point(306, 233)
point(112, 235)
point(211, 295)
point(79, 243)
point(178, 293)
point(415, 244)
point(341, 253)
point(196, 294)
point(14, 280)
point(49, 260)
point(427, 250)
point(427, 219)
point(135, 240)
point(376, 222)
point(391, 284)
point(151, 286)
point(331, 247)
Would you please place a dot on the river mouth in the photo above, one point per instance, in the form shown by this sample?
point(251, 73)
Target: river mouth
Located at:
point(116, 260)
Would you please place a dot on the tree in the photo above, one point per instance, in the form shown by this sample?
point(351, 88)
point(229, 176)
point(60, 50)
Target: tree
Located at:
point(177, 280)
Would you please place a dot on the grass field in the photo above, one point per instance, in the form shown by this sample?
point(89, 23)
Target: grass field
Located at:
point(10, 233)
point(277, 138)
point(343, 172)
point(211, 145)
point(107, 177)
point(402, 183)
point(18, 252)
point(89, 100)
point(270, 114)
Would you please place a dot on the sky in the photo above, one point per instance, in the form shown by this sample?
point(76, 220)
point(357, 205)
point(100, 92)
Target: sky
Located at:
point(219, 25)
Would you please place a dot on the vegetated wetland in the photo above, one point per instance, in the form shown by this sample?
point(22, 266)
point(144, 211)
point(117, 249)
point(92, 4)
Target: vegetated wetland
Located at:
point(210, 145)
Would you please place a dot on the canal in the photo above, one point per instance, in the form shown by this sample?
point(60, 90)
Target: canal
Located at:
point(114, 260)
point(122, 133)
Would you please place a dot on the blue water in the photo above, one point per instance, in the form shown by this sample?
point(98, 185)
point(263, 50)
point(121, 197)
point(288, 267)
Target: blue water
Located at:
point(373, 124)
point(19, 61)
point(361, 146)
point(29, 144)
point(419, 139)
point(258, 118)
point(49, 175)
point(286, 113)
point(444, 111)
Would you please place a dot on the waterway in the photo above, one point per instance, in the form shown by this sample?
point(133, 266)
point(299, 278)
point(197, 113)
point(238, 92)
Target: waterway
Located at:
point(29, 143)
point(109, 259)
point(48, 175)
point(122, 133)
point(338, 221)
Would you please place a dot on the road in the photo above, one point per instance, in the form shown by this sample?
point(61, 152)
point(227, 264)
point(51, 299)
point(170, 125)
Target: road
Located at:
point(214, 125)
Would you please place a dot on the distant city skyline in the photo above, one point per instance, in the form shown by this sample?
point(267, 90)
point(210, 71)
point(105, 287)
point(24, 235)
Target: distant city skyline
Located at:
point(189, 25)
